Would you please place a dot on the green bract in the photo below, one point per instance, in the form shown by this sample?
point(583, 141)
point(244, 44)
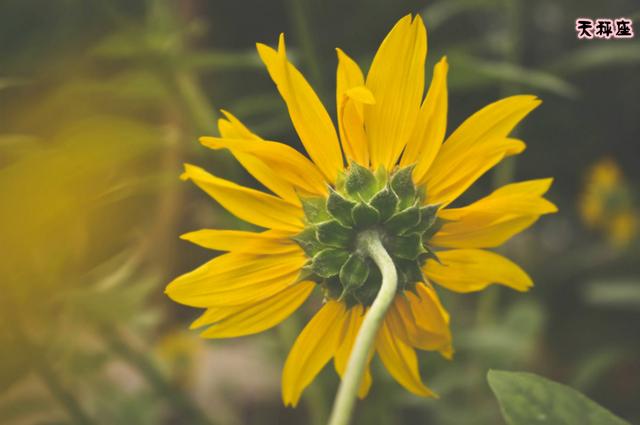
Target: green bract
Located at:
point(363, 201)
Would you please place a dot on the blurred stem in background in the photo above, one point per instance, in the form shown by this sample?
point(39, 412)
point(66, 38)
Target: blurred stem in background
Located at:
point(299, 15)
point(504, 172)
point(35, 358)
point(181, 402)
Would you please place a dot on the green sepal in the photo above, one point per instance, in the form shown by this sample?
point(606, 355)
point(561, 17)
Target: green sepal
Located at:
point(364, 215)
point(409, 273)
point(402, 184)
point(327, 263)
point(403, 221)
point(381, 176)
point(315, 209)
point(430, 254)
point(306, 273)
point(433, 229)
point(333, 233)
point(308, 241)
point(408, 247)
point(332, 287)
point(340, 179)
point(367, 292)
point(340, 208)
point(427, 217)
point(385, 202)
point(354, 273)
point(360, 181)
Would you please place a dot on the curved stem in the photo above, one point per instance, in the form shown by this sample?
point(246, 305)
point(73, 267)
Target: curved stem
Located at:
point(369, 242)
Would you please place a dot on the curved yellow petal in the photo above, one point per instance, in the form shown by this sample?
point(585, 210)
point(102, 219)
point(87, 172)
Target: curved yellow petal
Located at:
point(262, 315)
point(431, 320)
point(283, 160)
point(421, 326)
point(354, 137)
point(463, 171)
point(349, 109)
point(236, 278)
point(269, 242)
point(488, 126)
point(308, 115)
point(494, 121)
point(431, 125)
point(469, 270)
point(231, 128)
point(314, 347)
point(351, 327)
point(494, 219)
point(401, 361)
point(235, 128)
point(247, 204)
point(396, 79)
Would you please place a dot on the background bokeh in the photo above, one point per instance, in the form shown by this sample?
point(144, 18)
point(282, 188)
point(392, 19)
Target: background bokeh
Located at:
point(102, 101)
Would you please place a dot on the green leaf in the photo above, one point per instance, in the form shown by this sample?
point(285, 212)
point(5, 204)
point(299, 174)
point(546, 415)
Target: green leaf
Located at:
point(497, 72)
point(340, 208)
point(314, 209)
point(328, 262)
point(360, 181)
point(333, 233)
point(354, 272)
point(364, 215)
point(528, 399)
point(598, 56)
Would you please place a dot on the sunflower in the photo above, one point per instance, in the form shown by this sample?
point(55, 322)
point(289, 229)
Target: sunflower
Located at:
point(385, 168)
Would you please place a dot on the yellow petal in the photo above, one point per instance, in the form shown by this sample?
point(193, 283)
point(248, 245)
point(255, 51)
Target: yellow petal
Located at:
point(262, 315)
point(269, 242)
point(401, 361)
point(469, 270)
point(247, 204)
point(283, 160)
point(490, 125)
point(494, 121)
point(478, 235)
point(314, 347)
point(235, 128)
point(396, 79)
point(232, 128)
point(351, 327)
point(236, 278)
point(431, 125)
point(431, 320)
point(308, 115)
point(404, 324)
point(492, 220)
point(450, 182)
point(354, 137)
point(350, 120)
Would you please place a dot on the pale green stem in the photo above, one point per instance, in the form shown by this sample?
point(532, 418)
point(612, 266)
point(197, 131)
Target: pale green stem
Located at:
point(369, 242)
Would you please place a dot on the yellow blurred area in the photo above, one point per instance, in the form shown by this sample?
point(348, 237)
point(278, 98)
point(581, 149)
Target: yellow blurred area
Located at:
point(606, 203)
point(64, 199)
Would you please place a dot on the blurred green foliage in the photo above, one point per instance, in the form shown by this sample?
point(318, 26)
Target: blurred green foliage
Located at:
point(102, 101)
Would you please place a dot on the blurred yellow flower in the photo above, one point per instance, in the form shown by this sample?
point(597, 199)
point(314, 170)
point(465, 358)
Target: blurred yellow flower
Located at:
point(606, 203)
point(398, 181)
point(178, 351)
